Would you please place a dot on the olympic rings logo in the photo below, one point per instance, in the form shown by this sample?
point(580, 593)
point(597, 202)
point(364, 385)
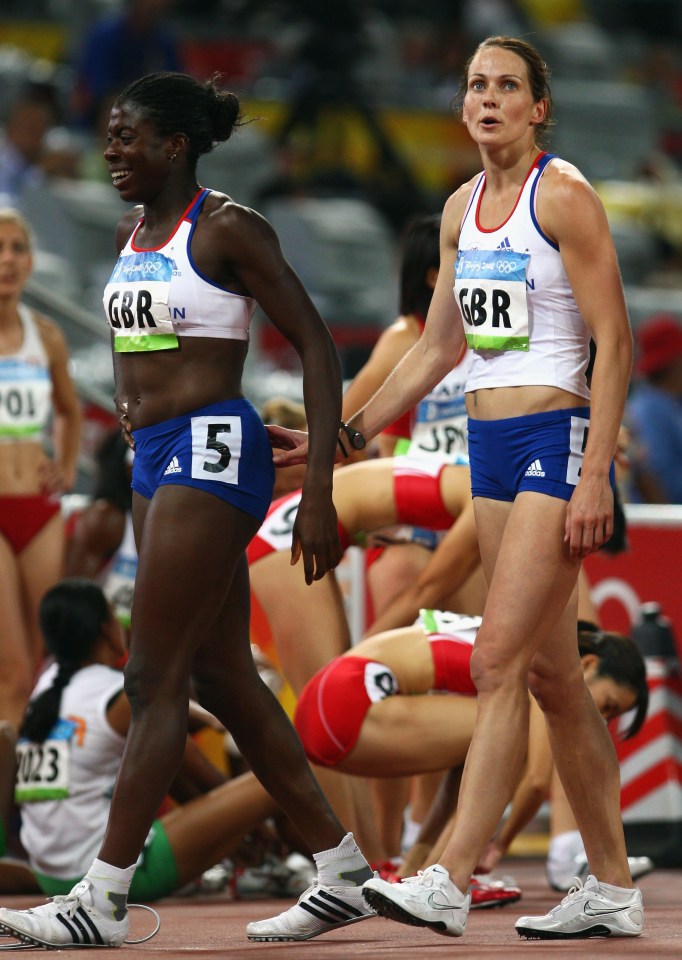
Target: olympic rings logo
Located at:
point(506, 266)
point(147, 267)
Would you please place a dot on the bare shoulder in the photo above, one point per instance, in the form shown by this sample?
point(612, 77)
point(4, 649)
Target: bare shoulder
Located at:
point(52, 336)
point(563, 187)
point(222, 213)
point(562, 182)
point(456, 206)
point(126, 225)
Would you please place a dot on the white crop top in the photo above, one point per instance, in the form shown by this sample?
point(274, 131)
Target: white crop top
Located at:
point(25, 386)
point(155, 296)
point(520, 317)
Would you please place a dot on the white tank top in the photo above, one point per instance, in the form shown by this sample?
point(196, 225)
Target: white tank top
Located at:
point(520, 317)
point(72, 778)
point(155, 296)
point(25, 386)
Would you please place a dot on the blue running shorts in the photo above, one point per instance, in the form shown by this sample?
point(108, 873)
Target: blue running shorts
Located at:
point(542, 452)
point(222, 448)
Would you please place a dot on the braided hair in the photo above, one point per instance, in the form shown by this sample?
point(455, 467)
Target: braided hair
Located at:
point(72, 615)
point(621, 660)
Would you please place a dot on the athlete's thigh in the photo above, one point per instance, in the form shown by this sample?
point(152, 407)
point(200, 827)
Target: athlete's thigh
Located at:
point(41, 564)
point(13, 639)
point(530, 571)
point(405, 735)
point(308, 622)
point(189, 543)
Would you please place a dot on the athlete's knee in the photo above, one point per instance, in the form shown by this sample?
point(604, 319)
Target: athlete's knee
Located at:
point(146, 685)
point(551, 688)
point(492, 667)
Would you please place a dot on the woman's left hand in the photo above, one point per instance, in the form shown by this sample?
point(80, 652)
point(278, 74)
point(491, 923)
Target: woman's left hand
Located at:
point(54, 479)
point(589, 518)
point(316, 536)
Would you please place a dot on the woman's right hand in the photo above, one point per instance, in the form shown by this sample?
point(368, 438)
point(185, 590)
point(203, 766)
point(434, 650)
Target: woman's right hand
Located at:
point(290, 446)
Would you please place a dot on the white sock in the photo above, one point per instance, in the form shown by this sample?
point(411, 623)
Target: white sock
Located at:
point(565, 846)
point(343, 865)
point(410, 833)
point(110, 886)
point(617, 894)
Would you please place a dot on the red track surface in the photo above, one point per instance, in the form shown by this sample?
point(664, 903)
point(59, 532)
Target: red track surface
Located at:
point(213, 927)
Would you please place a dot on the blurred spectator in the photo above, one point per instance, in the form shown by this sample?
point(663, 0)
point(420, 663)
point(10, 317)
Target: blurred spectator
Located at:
point(119, 48)
point(654, 412)
point(29, 151)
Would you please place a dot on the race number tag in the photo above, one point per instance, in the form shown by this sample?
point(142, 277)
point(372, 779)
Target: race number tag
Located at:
point(580, 428)
point(136, 303)
point(380, 682)
point(278, 527)
point(490, 286)
point(216, 448)
point(43, 768)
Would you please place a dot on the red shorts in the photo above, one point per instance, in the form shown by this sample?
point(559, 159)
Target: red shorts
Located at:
point(418, 500)
point(21, 518)
point(452, 664)
point(333, 704)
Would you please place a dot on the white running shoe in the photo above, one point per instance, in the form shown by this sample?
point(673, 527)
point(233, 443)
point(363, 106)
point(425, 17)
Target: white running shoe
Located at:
point(561, 875)
point(586, 912)
point(428, 900)
point(70, 921)
point(319, 909)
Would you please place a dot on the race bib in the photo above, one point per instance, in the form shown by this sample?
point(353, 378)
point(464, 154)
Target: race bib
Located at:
point(43, 768)
point(490, 286)
point(136, 303)
point(580, 428)
point(380, 682)
point(216, 448)
point(278, 527)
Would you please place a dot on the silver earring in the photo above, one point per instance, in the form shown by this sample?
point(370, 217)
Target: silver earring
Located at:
point(173, 156)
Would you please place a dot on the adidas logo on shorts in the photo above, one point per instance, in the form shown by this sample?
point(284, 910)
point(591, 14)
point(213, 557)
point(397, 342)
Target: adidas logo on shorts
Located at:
point(534, 470)
point(173, 467)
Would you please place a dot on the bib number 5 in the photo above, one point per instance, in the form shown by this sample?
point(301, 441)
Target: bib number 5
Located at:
point(216, 448)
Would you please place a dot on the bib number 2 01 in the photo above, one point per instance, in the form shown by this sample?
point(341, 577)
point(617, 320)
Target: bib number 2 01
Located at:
point(216, 448)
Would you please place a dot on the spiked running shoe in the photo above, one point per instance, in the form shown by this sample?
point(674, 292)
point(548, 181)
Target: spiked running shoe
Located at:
point(562, 875)
point(487, 892)
point(69, 921)
point(319, 909)
point(428, 900)
point(586, 912)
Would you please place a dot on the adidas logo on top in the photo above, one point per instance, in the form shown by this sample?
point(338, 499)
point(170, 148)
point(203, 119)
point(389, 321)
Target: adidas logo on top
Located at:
point(504, 245)
point(173, 467)
point(535, 470)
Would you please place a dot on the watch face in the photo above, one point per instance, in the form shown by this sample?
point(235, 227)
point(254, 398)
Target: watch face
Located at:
point(358, 441)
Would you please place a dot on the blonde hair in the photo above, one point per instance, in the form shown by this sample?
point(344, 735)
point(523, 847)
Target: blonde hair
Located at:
point(10, 215)
point(285, 413)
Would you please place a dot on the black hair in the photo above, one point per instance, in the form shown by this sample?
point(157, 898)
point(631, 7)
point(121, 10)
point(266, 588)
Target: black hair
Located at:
point(177, 103)
point(538, 76)
point(71, 614)
point(420, 252)
point(620, 659)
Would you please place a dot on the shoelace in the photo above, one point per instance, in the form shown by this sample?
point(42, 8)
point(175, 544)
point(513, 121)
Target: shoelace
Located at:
point(69, 902)
point(577, 887)
point(426, 880)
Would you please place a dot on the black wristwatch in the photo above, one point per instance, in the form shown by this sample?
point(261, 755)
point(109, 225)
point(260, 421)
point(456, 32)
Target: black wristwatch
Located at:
point(355, 438)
